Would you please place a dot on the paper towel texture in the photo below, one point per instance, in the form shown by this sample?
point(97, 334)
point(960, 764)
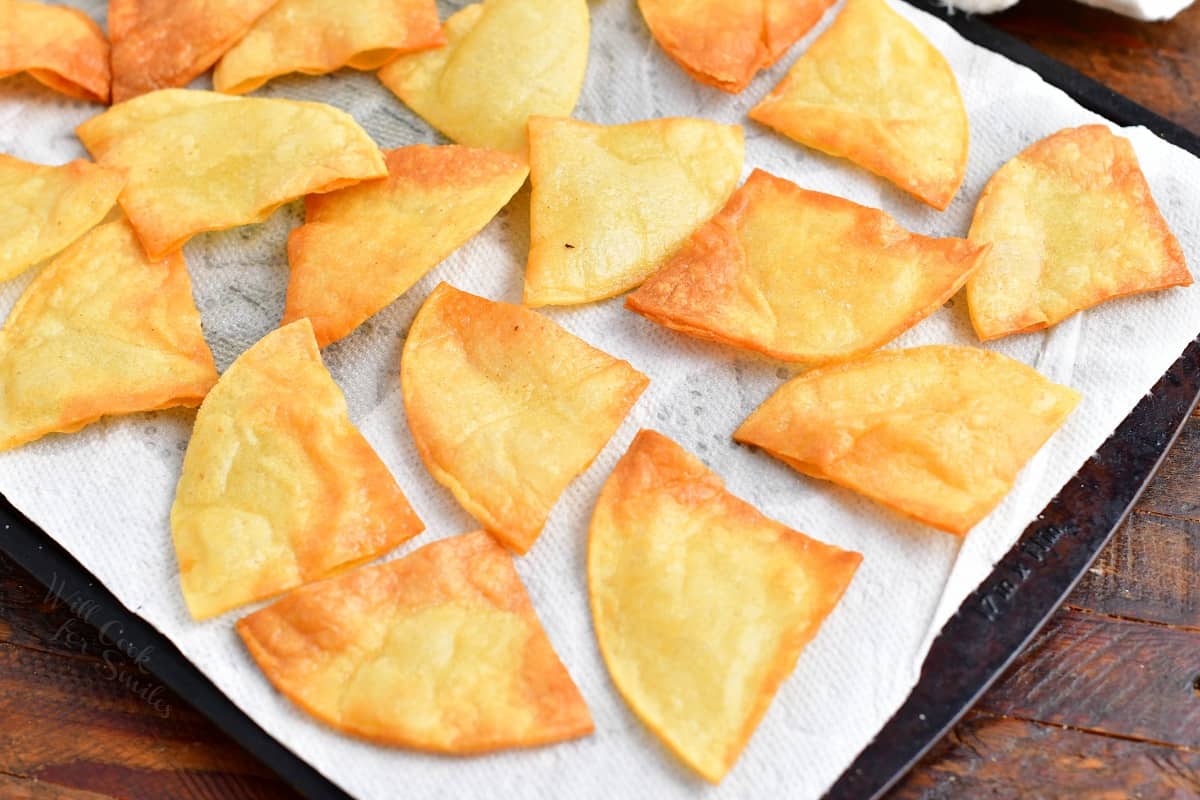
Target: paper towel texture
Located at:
point(1140, 9)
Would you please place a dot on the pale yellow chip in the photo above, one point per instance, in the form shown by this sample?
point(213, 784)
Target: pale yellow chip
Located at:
point(202, 161)
point(60, 47)
point(504, 61)
point(1072, 223)
point(101, 331)
point(439, 651)
point(873, 90)
point(278, 487)
point(362, 247)
point(611, 202)
point(318, 36)
point(938, 433)
point(506, 407)
point(48, 207)
point(701, 604)
point(803, 276)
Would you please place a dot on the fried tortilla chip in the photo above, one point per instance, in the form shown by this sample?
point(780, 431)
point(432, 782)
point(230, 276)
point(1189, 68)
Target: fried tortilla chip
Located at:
point(319, 36)
point(507, 408)
point(611, 202)
point(701, 604)
point(46, 208)
point(364, 246)
point(1072, 223)
point(101, 331)
point(938, 433)
point(505, 61)
point(202, 161)
point(278, 487)
point(61, 47)
point(873, 90)
point(440, 651)
point(803, 276)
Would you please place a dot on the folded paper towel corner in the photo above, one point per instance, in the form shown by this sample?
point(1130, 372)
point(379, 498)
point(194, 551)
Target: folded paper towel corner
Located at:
point(1150, 10)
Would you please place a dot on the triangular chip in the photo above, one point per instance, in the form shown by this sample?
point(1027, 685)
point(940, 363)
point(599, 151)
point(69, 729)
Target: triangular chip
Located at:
point(278, 487)
point(100, 331)
point(202, 161)
point(60, 47)
point(362, 247)
point(803, 276)
point(507, 408)
point(874, 90)
point(163, 44)
point(938, 433)
point(724, 43)
point(505, 61)
point(48, 207)
point(701, 604)
point(318, 36)
point(610, 202)
point(1072, 223)
point(439, 651)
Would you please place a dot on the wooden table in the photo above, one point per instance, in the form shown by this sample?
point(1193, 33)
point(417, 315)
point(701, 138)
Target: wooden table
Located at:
point(1106, 703)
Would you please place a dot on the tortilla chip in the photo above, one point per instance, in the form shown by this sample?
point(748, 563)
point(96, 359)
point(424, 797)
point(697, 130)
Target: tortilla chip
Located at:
point(314, 37)
point(47, 208)
point(100, 331)
point(507, 408)
point(724, 43)
point(505, 61)
point(440, 651)
point(60, 47)
point(938, 433)
point(611, 202)
point(202, 161)
point(278, 487)
point(803, 276)
point(163, 44)
point(363, 247)
point(1072, 223)
point(701, 604)
point(873, 90)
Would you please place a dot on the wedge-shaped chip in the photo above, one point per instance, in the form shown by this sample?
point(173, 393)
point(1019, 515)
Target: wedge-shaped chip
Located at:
point(363, 247)
point(278, 487)
point(938, 433)
point(505, 61)
point(701, 604)
point(61, 47)
point(610, 203)
point(872, 89)
point(507, 408)
point(101, 331)
point(440, 651)
point(803, 276)
point(319, 36)
point(1072, 223)
point(724, 43)
point(202, 161)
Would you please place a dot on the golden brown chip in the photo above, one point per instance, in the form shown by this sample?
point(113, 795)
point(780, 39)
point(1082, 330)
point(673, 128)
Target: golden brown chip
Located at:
point(48, 207)
point(611, 202)
point(364, 246)
point(873, 90)
point(803, 276)
point(202, 161)
point(701, 604)
point(440, 651)
point(318, 36)
point(278, 487)
point(1072, 223)
point(61, 47)
point(101, 331)
point(938, 433)
point(507, 408)
point(504, 61)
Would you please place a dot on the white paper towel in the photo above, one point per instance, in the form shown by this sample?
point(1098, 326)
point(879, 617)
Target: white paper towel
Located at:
point(105, 493)
point(1150, 10)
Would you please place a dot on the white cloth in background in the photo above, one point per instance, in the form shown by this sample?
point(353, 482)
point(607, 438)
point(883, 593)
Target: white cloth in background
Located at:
point(1139, 9)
